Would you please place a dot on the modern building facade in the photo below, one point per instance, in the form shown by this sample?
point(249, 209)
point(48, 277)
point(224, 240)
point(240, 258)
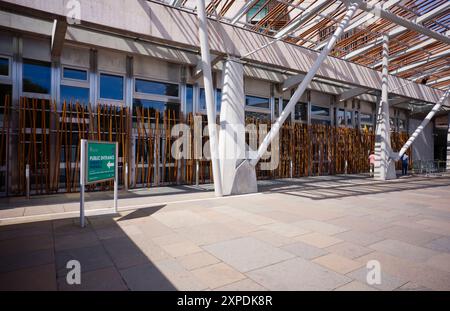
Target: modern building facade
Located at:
point(129, 71)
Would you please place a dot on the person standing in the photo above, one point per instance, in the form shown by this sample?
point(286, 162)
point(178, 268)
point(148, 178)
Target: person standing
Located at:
point(372, 164)
point(405, 159)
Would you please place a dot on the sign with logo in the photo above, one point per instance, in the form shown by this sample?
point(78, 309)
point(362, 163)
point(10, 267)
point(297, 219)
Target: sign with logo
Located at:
point(101, 161)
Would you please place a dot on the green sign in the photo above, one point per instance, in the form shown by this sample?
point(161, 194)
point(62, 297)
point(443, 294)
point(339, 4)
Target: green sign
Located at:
point(100, 161)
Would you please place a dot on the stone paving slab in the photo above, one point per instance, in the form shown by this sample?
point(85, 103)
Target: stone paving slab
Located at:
point(245, 254)
point(297, 274)
point(388, 282)
point(300, 234)
point(404, 250)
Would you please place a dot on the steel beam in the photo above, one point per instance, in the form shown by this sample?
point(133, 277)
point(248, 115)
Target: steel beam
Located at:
point(399, 30)
point(58, 37)
point(424, 123)
point(245, 8)
point(209, 96)
point(304, 84)
point(198, 70)
point(308, 13)
point(420, 63)
point(368, 18)
point(352, 93)
point(292, 81)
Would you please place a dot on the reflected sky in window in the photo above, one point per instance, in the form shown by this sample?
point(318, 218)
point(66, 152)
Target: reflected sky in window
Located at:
point(74, 94)
point(36, 77)
point(111, 87)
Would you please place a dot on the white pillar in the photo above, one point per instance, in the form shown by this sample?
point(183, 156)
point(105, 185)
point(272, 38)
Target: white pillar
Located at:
point(209, 94)
point(304, 84)
point(236, 178)
point(384, 165)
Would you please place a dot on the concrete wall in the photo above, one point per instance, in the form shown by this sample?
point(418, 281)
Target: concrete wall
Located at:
point(423, 146)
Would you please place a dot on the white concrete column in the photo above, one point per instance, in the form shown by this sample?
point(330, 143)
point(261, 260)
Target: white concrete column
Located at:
point(232, 133)
point(209, 94)
point(384, 166)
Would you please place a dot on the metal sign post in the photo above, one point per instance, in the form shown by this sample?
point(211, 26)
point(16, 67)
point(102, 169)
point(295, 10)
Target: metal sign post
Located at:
point(82, 180)
point(99, 162)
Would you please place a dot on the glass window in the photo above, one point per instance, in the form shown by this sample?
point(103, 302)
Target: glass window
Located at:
point(111, 86)
point(258, 10)
point(318, 121)
point(36, 77)
point(157, 88)
point(75, 74)
point(340, 120)
point(257, 115)
point(202, 99)
point(156, 105)
point(366, 118)
point(317, 111)
point(348, 115)
point(276, 108)
point(401, 125)
point(4, 66)
point(189, 99)
point(392, 124)
point(74, 94)
point(355, 115)
point(259, 102)
point(218, 100)
point(300, 111)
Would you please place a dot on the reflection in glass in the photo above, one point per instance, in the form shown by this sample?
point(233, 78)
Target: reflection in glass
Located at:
point(259, 102)
point(348, 115)
point(202, 99)
point(4, 66)
point(156, 88)
point(340, 121)
point(300, 111)
point(156, 105)
point(257, 115)
point(75, 74)
point(318, 121)
point(111, 87)
point(74, 94)
point(317, 111)
point(189, 99)
point(366, 118)
point(36, 76)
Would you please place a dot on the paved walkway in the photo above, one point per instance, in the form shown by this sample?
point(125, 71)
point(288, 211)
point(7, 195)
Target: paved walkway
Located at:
point(315, 233)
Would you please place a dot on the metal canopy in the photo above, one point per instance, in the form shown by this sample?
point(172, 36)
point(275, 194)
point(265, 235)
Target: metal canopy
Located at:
point(418, 30)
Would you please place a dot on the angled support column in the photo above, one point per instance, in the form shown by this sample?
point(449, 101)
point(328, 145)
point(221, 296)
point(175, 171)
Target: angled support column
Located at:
point(238, 176)
point(424, 123)
point(209, 94)
point(304, 84)
point(384, 165)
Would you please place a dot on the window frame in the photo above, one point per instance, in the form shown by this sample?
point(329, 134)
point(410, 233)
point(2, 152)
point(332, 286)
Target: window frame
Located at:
point(197, 99)
point(155, 96)
point(8, 78)
point(75, 82)
point(311, 116)
point(32, 94)
point(258, 109)
point(108, 100)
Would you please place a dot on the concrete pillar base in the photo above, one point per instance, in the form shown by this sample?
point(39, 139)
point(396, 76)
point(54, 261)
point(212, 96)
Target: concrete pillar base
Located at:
point(244, 179)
